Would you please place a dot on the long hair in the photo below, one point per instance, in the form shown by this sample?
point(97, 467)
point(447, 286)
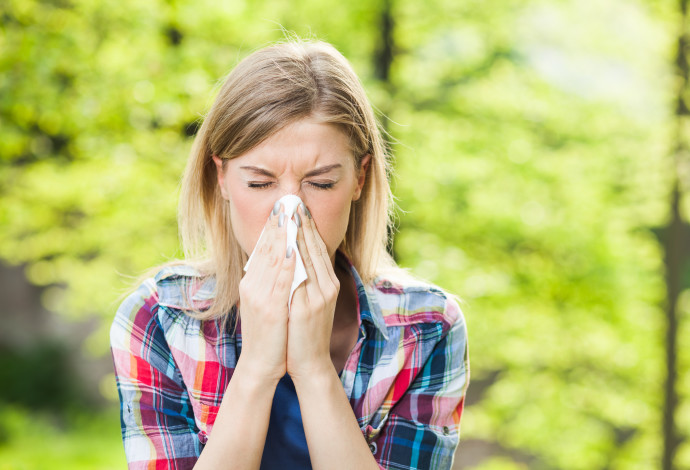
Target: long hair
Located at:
point(266, 91)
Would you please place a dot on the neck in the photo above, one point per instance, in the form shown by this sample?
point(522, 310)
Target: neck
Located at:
point(346, 305)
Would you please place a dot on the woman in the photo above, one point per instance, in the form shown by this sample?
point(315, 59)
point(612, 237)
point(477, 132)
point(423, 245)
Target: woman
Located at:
point(361, 367)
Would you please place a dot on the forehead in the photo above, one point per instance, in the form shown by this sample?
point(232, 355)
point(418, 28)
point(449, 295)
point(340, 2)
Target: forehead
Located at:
point(302, 144)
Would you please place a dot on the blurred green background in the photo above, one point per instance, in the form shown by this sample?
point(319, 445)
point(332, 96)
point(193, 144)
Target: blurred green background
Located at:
point(536, 144)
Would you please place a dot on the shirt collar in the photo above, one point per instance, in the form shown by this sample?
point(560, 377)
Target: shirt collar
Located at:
point(174, 281)
point(369, 310)
point(175, 284)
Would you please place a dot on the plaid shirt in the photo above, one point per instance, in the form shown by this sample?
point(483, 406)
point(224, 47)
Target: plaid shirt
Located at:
point(406, 377)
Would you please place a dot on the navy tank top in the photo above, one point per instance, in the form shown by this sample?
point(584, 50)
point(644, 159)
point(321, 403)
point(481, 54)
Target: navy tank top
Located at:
point(286, 444)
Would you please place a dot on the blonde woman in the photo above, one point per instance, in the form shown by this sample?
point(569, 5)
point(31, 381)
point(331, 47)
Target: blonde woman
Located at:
point(359, 366)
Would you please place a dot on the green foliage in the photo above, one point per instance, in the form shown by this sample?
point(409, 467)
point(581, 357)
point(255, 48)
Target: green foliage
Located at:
point(531, 163)
point(538, 187)
point(31, 441)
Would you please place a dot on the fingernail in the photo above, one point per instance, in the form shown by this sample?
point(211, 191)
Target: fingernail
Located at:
point(289, 252)
point(281, 219)
point(276, 207)
point(298, 220)
point(306, 211)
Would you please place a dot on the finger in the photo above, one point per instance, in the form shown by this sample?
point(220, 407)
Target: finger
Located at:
point(270, 249)
point(271, 227)
point(283, 282)
point(264, 241)
point(275, 252)
point(322, 249)
point(320, 287)
point(314, 288)
point(317, 250)
point(299, 298)
point(318, 254)
point(306, 258)
point(268, 279)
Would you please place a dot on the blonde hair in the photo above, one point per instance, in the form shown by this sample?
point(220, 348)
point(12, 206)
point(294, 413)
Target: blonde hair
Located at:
point(266, 91)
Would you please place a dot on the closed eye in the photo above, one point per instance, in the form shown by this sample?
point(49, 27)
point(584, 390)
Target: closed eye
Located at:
point(266, 184)
point(321, 185)
point(257, 185)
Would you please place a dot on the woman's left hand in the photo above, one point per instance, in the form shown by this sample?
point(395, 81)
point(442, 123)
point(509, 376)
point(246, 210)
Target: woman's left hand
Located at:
point(313, 306)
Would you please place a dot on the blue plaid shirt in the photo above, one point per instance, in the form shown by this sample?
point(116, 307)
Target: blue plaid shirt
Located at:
point(406, 377)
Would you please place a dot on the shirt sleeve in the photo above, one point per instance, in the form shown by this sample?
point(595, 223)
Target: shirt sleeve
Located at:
point(423, 427)
point(158, 428)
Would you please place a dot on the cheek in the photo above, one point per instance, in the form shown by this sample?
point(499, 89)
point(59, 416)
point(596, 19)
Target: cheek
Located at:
point(331, 217)
point(248, 214)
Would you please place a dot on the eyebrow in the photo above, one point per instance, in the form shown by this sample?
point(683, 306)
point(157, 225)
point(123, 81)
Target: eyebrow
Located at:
point(315, 172)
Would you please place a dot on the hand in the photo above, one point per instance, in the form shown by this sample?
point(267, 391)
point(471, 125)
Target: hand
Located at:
point(264, 293)
point(313, 306)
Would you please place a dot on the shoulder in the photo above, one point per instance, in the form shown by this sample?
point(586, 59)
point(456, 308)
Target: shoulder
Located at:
point(396, 300)
point(184, 287)
point(159, 299)
point(405, 300)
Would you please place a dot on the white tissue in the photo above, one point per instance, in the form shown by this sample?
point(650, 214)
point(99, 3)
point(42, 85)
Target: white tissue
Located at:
point(290, 203)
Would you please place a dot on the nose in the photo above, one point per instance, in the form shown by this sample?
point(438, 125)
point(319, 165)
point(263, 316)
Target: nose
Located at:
point(292, 188)
point(290, 201)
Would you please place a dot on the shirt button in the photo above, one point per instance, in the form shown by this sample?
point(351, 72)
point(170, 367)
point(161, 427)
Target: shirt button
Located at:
point(203, 437)
point(445, 430)
point(372, 447)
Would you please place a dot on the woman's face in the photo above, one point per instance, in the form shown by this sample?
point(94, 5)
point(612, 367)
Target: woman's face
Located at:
point(306, 158)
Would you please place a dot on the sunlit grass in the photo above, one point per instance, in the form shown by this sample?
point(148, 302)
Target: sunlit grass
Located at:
point(39, 441)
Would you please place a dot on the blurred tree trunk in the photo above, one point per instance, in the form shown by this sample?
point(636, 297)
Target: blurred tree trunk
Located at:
point(383, 58)
point(676, 254)
point(676, 243)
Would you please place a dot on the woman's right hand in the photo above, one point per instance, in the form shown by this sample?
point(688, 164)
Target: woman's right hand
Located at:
point(264, 292)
